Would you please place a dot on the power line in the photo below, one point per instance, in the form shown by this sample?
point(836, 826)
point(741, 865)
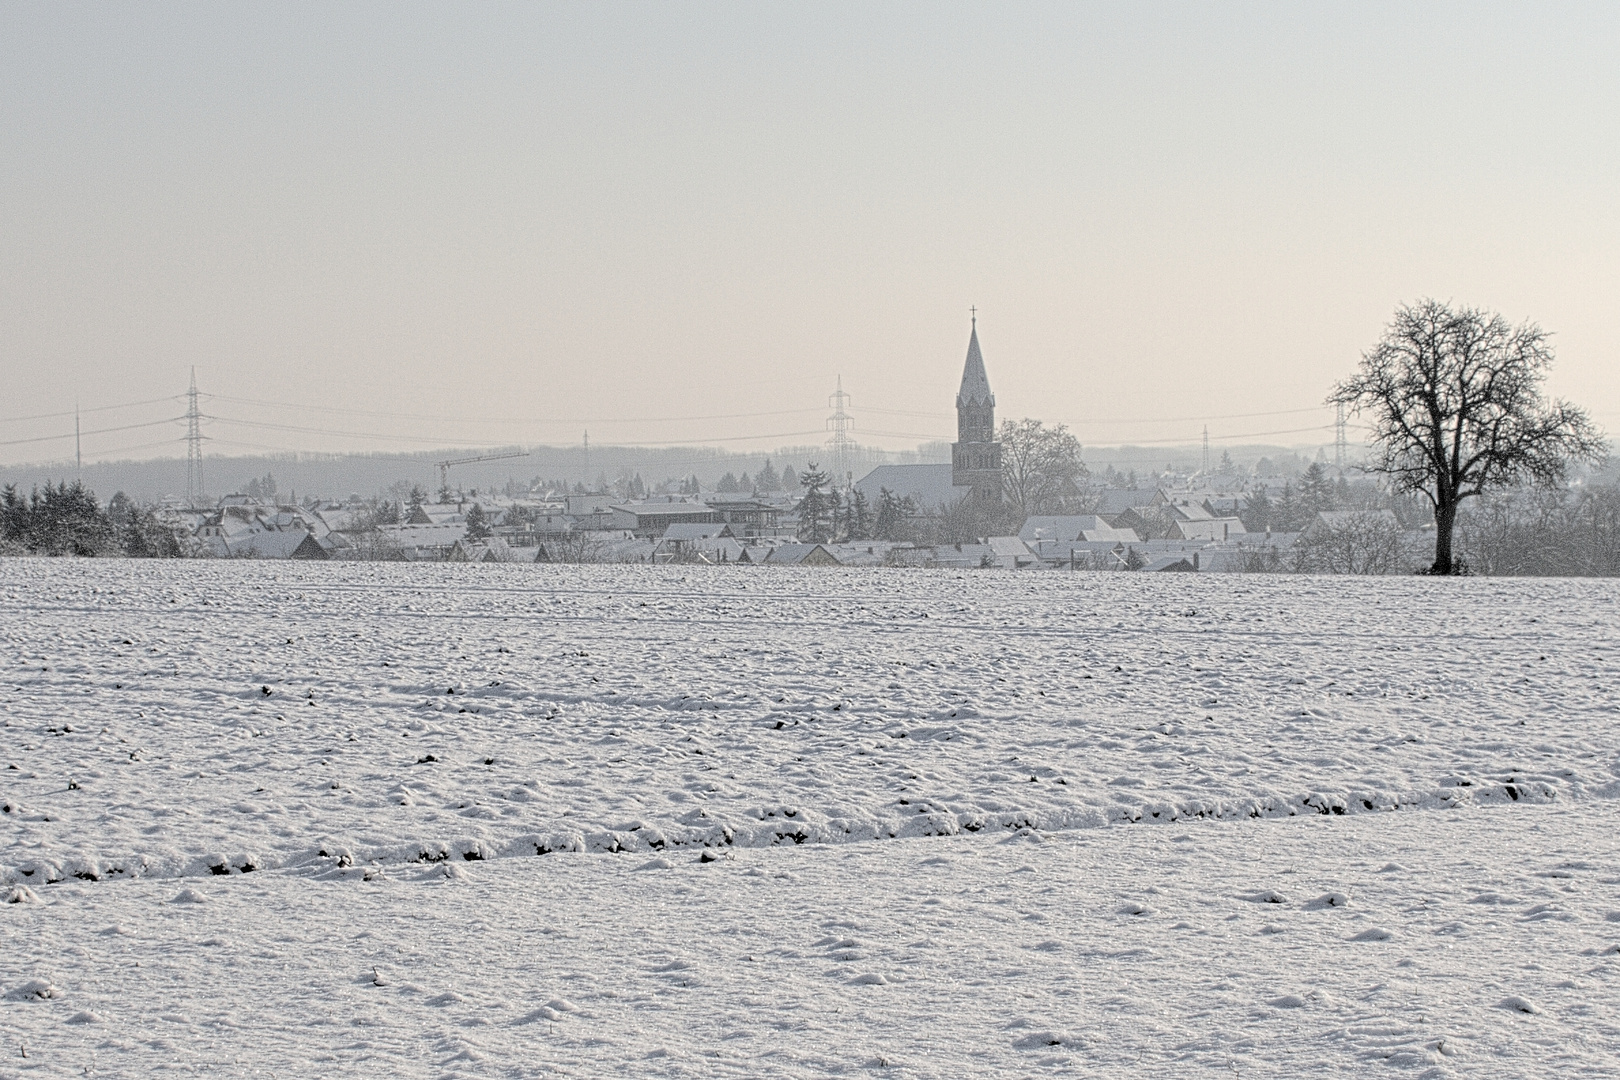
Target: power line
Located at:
point(432, 440)
point(441, 418)
point(1184, 441)
point(507, 419)
point(1195, 419)
point(72, 412)
point(485, 442)
point(96, 431)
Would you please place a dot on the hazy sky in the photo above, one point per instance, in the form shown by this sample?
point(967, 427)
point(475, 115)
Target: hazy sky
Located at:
point(514, 222)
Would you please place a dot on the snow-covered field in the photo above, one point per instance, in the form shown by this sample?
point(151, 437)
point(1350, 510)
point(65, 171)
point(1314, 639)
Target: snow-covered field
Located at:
point(304, 819)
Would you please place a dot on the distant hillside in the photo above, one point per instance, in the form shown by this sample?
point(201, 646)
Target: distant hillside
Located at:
point(339, 475)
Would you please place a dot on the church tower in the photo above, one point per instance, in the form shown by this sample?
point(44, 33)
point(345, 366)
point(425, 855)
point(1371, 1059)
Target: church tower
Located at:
point(976, 456)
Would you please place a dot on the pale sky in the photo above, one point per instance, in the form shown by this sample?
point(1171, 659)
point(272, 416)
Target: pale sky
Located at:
point(509, 223)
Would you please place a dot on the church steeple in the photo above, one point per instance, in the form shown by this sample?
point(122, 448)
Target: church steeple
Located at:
point(976, 456)
point(975, 383)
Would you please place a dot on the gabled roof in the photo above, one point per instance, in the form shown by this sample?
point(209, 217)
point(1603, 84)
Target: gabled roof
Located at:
point(801, 554)
point(1187, 510)
point(670, 508)
point(424, 535)
point(1118, 500)
point(694, 531)
point(1060, 527)
point(975, 383)
point(963, 556)
point(1011, 552)
point(279, 544)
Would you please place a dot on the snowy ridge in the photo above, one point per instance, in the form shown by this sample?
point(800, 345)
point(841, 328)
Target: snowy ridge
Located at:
point(773, 827)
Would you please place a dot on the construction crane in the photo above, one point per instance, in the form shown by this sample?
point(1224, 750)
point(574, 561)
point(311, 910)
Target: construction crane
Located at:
point(444, 466)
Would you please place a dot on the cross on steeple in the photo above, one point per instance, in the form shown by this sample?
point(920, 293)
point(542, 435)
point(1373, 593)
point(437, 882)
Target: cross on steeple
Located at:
point(973, 311)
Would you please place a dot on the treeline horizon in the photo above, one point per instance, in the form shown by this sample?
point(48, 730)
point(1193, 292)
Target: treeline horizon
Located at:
point(340, 475)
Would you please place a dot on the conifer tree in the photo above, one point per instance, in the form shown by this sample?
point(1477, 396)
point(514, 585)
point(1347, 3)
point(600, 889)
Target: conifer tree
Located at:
point(860, 516)
point(893, 516)
point(815, 520)
point(1316, 489)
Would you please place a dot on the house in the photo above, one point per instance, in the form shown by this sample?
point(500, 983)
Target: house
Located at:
point(694, 532)
point(1012, 553)
point(710, 543)
point(435, 514)
point(1073, 527)
point(964, 557)
point(249, 530)
point(747, 517)
point(865, 552)
point(1206, 527)
point(801, 555)
point(648, 520)
point(310, 548)
point(423, 543)
point(587, 505)
point(1113, 501)
point(1080, 554)
point(493, 550)
point(622, 546)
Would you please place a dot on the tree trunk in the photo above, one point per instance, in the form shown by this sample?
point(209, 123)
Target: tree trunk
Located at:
point(1445, 520)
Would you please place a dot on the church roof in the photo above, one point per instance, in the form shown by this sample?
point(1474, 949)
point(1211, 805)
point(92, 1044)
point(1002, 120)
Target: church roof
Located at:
point(931, 486)
point(975, 383)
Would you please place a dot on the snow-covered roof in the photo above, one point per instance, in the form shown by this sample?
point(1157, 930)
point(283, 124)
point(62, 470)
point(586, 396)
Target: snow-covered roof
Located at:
point(696, 531)
point(424, 535)
point(967, 556)
point(1207, 528)
point(269, 544)
point(1012, 552)
point(1059, 527)
point(1118, 500)
point(798, 553)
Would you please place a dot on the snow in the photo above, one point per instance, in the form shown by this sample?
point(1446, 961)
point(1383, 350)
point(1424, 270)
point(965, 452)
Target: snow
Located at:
point(505, 820)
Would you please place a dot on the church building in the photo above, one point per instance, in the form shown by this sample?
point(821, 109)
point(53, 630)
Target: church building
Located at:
point(976, 455)
point(975, 468)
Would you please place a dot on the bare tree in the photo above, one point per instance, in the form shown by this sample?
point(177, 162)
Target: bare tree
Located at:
point(1353, 542)
point(1536, 531)
point(1041, 469)
point(1457, 410)
point(572, 546)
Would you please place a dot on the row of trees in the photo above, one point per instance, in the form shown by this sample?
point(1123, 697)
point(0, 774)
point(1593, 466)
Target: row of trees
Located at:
point(1543, 532)
point(66, 519)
